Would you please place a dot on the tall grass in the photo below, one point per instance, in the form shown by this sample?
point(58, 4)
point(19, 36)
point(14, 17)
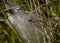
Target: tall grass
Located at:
point(47, 10)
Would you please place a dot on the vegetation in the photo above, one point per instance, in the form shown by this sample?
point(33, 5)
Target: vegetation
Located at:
point(47, 10)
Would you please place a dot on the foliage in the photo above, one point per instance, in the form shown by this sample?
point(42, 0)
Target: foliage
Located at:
point(47, 9)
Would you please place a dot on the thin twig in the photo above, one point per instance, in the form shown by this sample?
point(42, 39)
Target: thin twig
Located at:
point(27, 11)
point(39, 7)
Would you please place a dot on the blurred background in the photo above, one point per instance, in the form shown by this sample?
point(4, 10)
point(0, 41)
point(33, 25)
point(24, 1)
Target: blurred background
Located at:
point(29, 21)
